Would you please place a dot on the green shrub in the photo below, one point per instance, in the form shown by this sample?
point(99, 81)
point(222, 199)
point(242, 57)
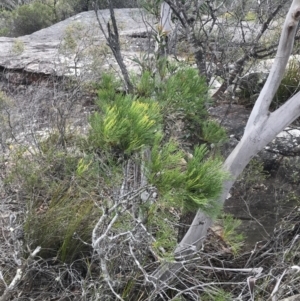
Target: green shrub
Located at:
point(67, 8)
point(212, 132)
point(145, 86)
point(165, 166)
point(74, 34)
point(152, 6)
point(118, 4)
point(250, 16)
point(181, 92)
point(17, 47)
point(6, 23)
point(32, 17)
point(107, 90)
point(289, 84)
point(124, 124)
point(186, 91)
point(160, 222)
point(57, 230)
point(230, 233)
point(59, 189)
point(203, 182)
point(185, 94)
point(188, 185)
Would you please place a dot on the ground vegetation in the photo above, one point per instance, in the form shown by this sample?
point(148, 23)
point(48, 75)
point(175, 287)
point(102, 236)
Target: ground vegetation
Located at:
point(100, 206)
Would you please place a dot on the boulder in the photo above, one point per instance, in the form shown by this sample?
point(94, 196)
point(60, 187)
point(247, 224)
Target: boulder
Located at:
point(252, 83)
point(59, 48)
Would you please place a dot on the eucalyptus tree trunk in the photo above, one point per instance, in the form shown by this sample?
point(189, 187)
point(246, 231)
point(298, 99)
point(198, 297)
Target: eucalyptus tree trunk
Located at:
point(262, 127)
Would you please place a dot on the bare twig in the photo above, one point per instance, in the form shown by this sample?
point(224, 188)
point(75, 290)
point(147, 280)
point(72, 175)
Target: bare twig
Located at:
point(113, 41)
point(18, 276)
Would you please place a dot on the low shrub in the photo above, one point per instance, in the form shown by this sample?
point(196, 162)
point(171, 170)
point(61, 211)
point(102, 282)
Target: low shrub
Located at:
point(187, 92)
point(230, 233)
point(250, 16)
point(59, 189)
point(6, 23)
point(189, 185)
point(66, 8)
point(289, 84)
point(32, 17)
point(124, 124)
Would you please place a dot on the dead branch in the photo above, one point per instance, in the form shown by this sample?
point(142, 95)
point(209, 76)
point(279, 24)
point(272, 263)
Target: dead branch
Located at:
point(19, 275)
point(113, 41)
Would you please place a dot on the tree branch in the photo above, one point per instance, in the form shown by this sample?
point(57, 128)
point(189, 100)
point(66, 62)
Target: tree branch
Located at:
point(285, 47)
point(113, 41)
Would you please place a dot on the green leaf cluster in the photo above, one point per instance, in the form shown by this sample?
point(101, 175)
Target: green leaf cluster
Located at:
point(289, 84)
point(145, 86)
point(186, 91)
point(230, 232)
point(32, 17)
point(152, 6)
point(190, 185)
point(107, 90)
point(165, 166)
point(183, 90)
point(126, 125)
point(212, 132)
point(204, 182)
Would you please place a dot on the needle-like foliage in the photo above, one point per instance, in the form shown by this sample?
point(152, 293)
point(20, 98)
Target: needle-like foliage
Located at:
point(126, 125)
point(203, 182)
point(191, 184)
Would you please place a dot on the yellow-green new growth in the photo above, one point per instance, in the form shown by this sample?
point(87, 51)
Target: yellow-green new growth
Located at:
point(127, 125)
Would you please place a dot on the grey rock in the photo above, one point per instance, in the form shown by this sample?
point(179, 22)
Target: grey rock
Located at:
point(252, 83)
point(42, 51)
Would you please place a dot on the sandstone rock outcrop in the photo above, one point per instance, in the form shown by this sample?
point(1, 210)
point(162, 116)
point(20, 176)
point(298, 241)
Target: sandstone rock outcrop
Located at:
point(50, 50)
